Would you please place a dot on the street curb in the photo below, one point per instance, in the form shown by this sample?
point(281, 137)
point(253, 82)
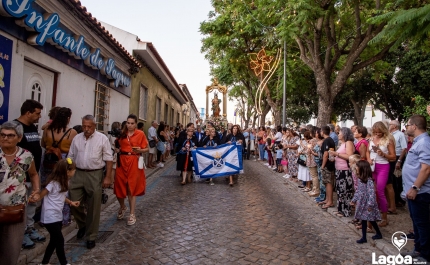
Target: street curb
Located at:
point(27, 255)
point(382, 245)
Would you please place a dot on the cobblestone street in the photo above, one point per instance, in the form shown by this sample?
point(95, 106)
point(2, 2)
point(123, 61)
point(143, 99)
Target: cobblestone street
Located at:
point(258, 221)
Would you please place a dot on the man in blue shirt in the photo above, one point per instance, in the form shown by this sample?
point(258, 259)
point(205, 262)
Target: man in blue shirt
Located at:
point(416, 184)
point(333, 135)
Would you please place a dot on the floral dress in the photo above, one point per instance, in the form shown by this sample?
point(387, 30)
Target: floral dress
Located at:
point(292, 157)
point(12, 177)
point(365, 199)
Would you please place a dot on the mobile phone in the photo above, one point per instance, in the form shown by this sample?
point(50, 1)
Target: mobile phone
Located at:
point(135, 147)
point(375, 148)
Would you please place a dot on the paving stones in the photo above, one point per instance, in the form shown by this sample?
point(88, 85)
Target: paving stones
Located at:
point(258, 221)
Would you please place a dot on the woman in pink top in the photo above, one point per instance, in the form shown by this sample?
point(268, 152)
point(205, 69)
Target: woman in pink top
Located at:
point(360, 148)
point(344, 182)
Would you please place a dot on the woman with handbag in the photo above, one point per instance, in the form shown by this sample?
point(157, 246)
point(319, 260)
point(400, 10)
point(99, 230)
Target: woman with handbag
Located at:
point(130, 180)
point(14, 163)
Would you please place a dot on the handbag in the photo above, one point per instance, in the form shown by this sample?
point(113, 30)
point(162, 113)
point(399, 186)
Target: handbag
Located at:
point(152, 143)
point(140, 163)
point(161, 147)
point(12, 214)
point(301, 161)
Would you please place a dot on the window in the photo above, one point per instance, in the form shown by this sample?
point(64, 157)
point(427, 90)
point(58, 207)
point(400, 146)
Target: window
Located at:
point(166, 114)
point(36, 91)
point(143, 102)
point(172, 117)
point(101, 108)
point(179, 118)
point(158, 110)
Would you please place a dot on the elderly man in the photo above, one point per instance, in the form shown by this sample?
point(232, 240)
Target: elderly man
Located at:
point(401, 144)
point(416, 184)
point(30, 114)
point(91, 152)
point(152, 136)
point(333, 134)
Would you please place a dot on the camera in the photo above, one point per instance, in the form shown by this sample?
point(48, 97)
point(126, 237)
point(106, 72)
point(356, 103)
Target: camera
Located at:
point(115, 132)
point(105, 197)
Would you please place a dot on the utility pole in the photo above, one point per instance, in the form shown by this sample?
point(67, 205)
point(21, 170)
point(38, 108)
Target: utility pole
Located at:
point(285, 84)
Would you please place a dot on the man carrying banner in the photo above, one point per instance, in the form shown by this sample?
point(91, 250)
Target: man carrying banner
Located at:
point(235, 136)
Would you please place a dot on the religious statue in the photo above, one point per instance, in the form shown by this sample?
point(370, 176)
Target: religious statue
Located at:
point(216, 111)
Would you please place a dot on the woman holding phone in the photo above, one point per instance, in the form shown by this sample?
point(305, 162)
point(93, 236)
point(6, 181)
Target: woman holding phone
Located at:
point(381, 150)
point(130, 181)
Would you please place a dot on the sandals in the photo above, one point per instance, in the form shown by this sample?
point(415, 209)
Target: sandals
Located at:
point(325, 207)
point(321, 203)
point(306, 190)
point(383, 223)
point(121, 213)
point(131, 219)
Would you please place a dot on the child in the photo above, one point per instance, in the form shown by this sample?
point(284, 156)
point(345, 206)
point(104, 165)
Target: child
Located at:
point(365, 198)
point(284, 163)
point(353, 165)
point(268, 148)
point(52, 216)
point(279, 154)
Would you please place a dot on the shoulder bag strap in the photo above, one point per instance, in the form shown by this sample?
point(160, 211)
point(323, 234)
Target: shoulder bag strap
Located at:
point(62, 137)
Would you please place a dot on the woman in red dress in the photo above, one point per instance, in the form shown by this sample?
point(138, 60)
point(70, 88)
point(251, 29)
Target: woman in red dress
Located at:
point(130, 181)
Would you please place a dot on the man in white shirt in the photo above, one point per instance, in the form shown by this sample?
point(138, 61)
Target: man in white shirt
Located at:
point(152, 136)
point(91, 152)
point(401, 144)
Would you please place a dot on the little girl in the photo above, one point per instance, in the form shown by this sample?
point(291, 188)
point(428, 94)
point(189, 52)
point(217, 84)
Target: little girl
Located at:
point(366, 208)
point(279, 154)
point(55, 192)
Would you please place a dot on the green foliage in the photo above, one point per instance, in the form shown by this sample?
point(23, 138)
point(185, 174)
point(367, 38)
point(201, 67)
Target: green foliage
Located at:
point(419, 106)
point(410, 23)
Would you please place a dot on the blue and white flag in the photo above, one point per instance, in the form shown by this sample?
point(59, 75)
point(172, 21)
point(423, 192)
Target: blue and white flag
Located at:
point(222, 160)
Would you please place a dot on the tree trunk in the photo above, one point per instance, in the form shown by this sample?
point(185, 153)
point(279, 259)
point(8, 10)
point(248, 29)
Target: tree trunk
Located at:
point(263, 115)
point(325, 109)
point(359, 112)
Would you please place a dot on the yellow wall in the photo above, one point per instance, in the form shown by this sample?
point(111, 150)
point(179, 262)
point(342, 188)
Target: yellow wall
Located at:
point(155, 89)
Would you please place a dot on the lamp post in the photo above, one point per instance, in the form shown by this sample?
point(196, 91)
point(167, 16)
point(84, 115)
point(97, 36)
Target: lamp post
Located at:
point(285, 85)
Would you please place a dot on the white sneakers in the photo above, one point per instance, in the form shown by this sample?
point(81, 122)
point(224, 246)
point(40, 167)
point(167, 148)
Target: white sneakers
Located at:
point(287, 176)
point(266, 164)
point(160, 165)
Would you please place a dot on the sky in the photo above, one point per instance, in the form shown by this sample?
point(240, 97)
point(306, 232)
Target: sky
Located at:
point(173, 28)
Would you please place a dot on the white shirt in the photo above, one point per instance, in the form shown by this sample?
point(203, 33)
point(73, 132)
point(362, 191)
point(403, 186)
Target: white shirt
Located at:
point(90, 153)
point(278, 137)
point(152, 132)
point(377, 158)
point(53, 203)
point(400, 141)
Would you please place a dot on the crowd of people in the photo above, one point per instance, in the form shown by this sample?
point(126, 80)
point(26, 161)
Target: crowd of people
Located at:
point(372, 170)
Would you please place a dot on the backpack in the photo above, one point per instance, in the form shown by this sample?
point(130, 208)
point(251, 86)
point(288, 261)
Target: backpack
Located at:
point(53, 153)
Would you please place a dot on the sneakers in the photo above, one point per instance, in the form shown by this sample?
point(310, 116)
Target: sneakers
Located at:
point(211, 183)
point(35, 236)
point(27, 243)
point(287, 176)
point(269, 166)
point(266, 164)
point(160, 165)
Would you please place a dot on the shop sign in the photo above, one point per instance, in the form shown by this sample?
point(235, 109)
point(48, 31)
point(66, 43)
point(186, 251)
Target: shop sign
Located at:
point(5, 71)
point(47, 28)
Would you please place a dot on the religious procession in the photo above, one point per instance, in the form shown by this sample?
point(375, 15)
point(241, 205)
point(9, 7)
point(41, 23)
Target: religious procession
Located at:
point(310, 145)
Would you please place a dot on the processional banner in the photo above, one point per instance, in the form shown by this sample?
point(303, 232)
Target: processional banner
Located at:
point(222, 160)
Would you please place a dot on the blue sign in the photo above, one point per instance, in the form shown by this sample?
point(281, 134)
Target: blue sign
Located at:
point(47, 28)
point(5, 70)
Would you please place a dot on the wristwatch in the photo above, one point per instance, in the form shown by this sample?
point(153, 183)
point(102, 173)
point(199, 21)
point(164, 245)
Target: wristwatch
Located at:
point(416, 188)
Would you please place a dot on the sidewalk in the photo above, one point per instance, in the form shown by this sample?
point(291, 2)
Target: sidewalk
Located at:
point(399, 222)
point(27, 255)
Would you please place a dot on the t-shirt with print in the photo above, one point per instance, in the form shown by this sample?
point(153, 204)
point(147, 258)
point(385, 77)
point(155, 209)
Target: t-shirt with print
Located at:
point(326, 145)
point(53, 203)
point(31, 142)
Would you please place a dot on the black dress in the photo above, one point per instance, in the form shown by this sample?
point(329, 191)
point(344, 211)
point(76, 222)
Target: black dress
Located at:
point(210, 142)
point(183, 157)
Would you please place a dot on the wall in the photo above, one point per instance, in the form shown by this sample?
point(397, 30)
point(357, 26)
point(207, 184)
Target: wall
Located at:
point(155, 89)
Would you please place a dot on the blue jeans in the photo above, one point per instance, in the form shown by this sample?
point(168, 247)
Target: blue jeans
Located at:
point(261, 151)
point(420, 215)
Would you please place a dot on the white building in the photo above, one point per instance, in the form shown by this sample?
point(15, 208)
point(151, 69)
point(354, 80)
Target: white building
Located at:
point(58, 54)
